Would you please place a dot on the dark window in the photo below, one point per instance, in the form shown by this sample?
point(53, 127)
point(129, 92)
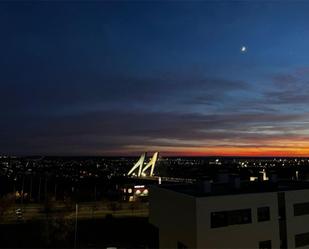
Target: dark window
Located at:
point(263, 214)
point(265, 244)
point(239, 217)
point(181, 245)
point(234, 217)
point(301, 209)
point(301, 239)
point(219, 219)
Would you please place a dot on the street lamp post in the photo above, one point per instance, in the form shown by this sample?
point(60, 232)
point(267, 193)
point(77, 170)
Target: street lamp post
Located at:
point(76, 216)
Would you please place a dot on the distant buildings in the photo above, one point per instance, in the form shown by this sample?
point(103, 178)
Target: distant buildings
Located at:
point(231, 214)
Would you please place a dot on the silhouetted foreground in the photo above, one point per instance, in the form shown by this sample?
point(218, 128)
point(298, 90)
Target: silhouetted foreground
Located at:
point(98, 233)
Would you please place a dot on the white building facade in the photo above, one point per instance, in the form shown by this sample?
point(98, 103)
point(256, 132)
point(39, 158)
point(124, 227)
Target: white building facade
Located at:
point(262, 219)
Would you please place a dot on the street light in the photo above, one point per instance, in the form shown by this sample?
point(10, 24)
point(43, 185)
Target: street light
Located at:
point(76, 215)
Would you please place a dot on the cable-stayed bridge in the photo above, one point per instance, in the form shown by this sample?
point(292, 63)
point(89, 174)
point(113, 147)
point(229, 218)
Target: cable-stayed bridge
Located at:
point(144, 170)
point(140, 167)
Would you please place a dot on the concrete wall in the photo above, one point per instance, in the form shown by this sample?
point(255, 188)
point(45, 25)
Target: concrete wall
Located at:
point(174, 214)
point(237, 236)
point(296, 224)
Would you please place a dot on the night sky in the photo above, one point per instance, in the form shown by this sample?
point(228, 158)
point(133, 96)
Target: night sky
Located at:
point(103, 78)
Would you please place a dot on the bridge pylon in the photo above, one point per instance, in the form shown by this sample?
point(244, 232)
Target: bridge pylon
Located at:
point(152, 164)
point(139, 164)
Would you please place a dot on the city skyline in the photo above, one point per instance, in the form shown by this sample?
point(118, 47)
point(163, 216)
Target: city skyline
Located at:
point(121, 78)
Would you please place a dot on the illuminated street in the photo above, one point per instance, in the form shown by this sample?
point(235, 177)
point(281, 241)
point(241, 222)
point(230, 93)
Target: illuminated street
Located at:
point(86, 210)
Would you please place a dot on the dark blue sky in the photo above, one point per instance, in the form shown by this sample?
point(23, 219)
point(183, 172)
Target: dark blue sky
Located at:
point(105, 78)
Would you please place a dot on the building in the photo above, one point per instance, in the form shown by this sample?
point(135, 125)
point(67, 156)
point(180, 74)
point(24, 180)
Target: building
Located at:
point(132, 192)
point(231, 215)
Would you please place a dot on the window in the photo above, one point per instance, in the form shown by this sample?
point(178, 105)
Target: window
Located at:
point(265, 244)
point(263, 214)
point(233, 217)
point(239, 217)
point(219, 219)
point(301, 239)
point(301, 209)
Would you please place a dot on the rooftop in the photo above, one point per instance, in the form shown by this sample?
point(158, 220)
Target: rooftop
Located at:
point(203, 189)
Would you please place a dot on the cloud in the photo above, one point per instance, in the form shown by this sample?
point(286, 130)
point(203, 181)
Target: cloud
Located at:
point(289, 89)
point(122, 131)
point(46, 91)
point(83, 112)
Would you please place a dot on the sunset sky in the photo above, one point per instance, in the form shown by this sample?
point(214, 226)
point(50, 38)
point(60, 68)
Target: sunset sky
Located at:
point(105, 78)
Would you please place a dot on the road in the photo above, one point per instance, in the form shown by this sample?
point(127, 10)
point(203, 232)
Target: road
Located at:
point(86, 210)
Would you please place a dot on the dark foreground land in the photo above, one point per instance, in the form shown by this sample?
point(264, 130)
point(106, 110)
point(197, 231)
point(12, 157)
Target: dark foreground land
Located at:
point(132, 232)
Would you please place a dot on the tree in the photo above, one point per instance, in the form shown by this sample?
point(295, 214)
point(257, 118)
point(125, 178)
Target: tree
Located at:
point(134, 205)
point(5, 203)
point(114, 206)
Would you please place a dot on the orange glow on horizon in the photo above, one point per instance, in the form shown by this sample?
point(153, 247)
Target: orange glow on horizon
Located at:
point(219, 151)
point(247, 151)
point(293, 147)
